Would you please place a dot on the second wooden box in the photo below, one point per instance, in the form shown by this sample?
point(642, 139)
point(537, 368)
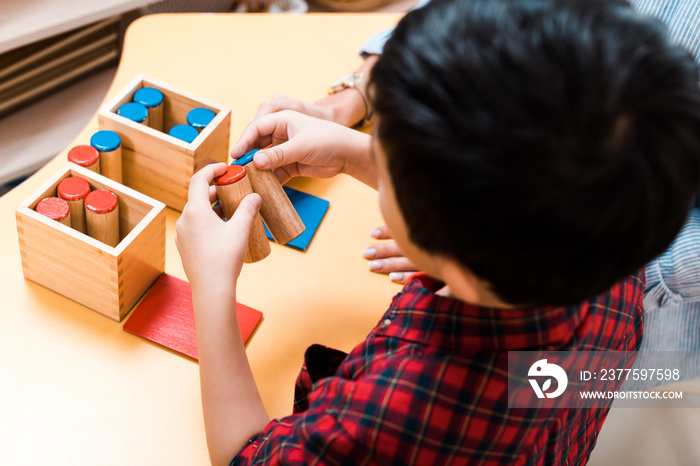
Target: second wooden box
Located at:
point(156, 163)
point(109, 280)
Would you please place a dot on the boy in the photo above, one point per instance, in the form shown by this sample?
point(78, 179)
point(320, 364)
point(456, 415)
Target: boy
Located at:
point(530, 156)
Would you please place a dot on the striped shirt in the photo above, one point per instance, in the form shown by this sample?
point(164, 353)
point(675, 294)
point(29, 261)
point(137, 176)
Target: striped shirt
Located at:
point(672, 295)
point(682, 17)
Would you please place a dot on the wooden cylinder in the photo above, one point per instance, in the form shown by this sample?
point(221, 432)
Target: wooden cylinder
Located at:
point(135, 112)
point(185, 133)
point(54, 208)
point(277, 210)
point(152, 99)
point(102, 216)
point(200, 117)
point(74, 190)
point(85, 156)
point(231, 188)
point(109, 145)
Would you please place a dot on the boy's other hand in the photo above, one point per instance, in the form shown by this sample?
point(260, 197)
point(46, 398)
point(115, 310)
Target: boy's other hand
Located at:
point(212, 251)
point(306, 146)
point(387, 258)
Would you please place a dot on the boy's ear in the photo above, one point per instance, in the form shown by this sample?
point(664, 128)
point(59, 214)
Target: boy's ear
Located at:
point(466, 286)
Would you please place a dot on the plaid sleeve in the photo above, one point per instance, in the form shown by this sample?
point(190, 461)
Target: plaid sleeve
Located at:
point(401, 410)
point(369, 416)
point(289, 441)
point(323, 434)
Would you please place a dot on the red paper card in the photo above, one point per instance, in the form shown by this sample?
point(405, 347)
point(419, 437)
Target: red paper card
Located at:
point(165, 316)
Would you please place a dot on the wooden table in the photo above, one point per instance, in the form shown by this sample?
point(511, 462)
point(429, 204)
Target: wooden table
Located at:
point(74, 387)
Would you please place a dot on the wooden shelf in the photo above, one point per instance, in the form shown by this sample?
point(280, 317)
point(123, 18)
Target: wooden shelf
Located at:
point(28, 22)
point(44, 46)
point(31, 71)
point(35, 134)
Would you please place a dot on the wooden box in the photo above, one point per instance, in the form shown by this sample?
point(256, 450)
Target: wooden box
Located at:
point(109, 280)
point(155, 163)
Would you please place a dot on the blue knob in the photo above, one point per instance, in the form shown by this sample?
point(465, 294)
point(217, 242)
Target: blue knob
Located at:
point(245, 158)
point(134, 111)
point(200, 117)
point(105, 141)
point(149, 97)
point(186, 133)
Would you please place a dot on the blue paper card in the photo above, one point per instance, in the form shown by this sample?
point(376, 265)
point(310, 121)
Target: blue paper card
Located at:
point(311, 210)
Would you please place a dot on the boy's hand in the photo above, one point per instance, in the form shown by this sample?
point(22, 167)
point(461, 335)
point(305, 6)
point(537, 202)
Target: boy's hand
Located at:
point(306, 146)
point(213, 251)
point(387, 257)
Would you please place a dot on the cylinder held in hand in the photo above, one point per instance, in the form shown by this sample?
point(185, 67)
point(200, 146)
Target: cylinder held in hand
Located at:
point(277, 210)
point(231, 188)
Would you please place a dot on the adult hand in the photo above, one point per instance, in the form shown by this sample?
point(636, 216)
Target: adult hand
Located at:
point(387, 258)
point(212, 251)
point(280, 102)
point(346, 107)
point(306, 146)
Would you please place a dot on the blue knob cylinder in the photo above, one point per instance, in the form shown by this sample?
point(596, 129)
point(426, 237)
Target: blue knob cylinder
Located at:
point(152, 99)
point(200, 117)
point(134, 112)
point(185, 133)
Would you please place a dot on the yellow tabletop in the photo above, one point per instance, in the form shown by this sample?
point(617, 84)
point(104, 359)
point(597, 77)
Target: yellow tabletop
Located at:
point(74, 387)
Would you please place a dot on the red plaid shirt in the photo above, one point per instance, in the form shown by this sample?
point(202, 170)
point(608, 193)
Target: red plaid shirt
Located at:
point(428, 386)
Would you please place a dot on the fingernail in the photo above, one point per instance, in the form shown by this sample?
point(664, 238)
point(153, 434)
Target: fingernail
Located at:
point(369, 253)
point(396, 276)
point(376, 233)
point(376, 265)
point(262, 160)
point(256, 200)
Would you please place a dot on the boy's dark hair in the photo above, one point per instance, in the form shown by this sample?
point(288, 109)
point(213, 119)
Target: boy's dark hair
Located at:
point(551, 147)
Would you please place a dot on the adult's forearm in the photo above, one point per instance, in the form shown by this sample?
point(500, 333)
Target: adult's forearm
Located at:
point(348, 106)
